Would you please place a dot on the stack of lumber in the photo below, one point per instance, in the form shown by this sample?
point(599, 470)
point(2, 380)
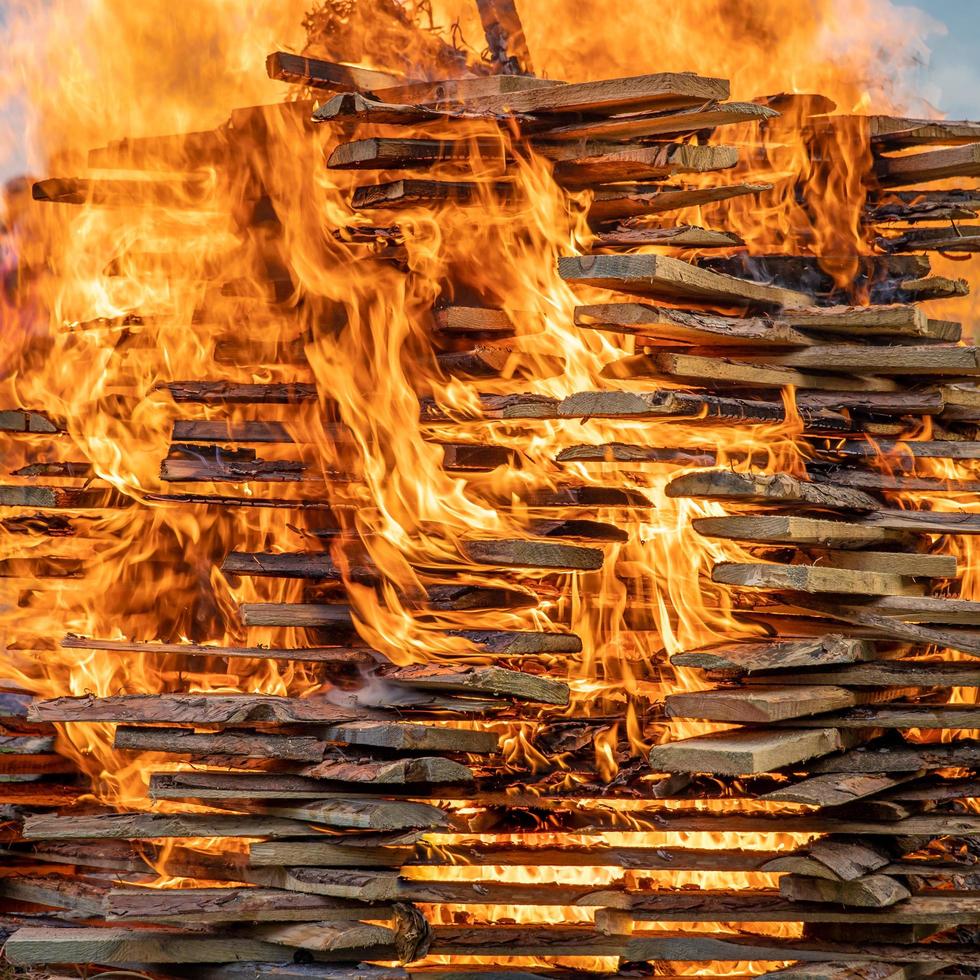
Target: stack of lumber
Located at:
point(454, 806)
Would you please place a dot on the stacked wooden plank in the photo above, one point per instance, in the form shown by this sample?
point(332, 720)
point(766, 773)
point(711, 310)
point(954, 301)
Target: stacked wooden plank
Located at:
point(340, 812)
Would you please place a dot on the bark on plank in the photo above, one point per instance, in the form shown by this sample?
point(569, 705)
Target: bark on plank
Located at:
point(920, 402)
point(672, 279)
point(349, 938)
point(198, 709)
point(658, 324)
point(428, 194)
point(496, 681)
point(800, 531)
point(209, 905)
point(516, 553)
point(912, 449)
point(316, 73)
point(709, 116)
point(253, 745)
point(789, 655)
point(633, 200)
point(235, 393)
point(641, 163)
point(808, 578)
point(767, 704)
point(872, 891)
point(711, 370)
point(899, 132)
point(778, 488)
point(690, 406)
point(352, 107)
point(394, 772)
point(73, 893)
point(963, 753)
point(923, 168)
point(930, 287)
point(340, 657)
point(181, 470)
point(621, 452)
point(682, 236)
point(744, 752)
point(407, 154)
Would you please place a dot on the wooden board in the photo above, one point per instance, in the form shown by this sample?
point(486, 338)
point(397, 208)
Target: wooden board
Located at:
point(963, 753)
point(385, 153)
point(888, 320)
point(808, 578)
point(876, 891)
point(320, 74)
point(632, 200)
point(681, 236)
point(780, 488)
point(673, 279)
point(642, 163)
point(490, 680)
point(516, 553)
point(657, 324)
point(398, 194)
point(943, 716)
point(710, 370)
point(766, 704)
point(607, 97)
point(743, 752)
point(787, 655)
point(924, 168)
point(834, 789)
point(800, 531)
point(709, 116)
point(915, 361)
point(890, 673)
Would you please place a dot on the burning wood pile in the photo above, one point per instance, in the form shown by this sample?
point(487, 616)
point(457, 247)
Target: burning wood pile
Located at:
point(626, 633)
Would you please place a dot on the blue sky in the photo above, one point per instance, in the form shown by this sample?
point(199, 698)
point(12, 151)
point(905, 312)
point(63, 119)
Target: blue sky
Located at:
point(950, 80)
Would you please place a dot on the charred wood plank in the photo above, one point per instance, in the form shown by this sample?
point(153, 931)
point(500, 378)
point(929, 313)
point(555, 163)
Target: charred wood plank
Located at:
point(495, 681)
point(894, 673)
point(505, 36)
point(235, 393)
point(943, 716)
point(69, 498)
point(833, 789)
point(621, 452)
point(247, 744)
point(391, 772)
point(24, 420)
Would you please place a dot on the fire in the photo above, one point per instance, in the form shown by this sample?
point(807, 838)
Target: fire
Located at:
point(113, 303)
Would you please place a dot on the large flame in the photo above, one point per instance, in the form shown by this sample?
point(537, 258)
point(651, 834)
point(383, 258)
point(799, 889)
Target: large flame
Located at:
point(103, 305)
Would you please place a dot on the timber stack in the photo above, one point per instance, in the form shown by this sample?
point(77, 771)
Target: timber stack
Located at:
point(796, 797)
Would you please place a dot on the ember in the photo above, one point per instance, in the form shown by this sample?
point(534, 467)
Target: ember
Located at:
point(570, 564)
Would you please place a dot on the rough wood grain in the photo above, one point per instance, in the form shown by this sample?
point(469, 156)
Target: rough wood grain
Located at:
point(834, 789)
point(384, 153)
point(808, 578)
point(923, 168)
point(413, 738)
point(743, 752)
point(885, 320)
point(631, 200)
point(872, 891)
point(398, 194)
point(328, 75)
point(516, 553)
point(657, 324)
point(593, 166)
point(963, 753)
point(781, 488)
point(672, 279)
point(788, 655)
point(496, 681)
point(800, 531)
